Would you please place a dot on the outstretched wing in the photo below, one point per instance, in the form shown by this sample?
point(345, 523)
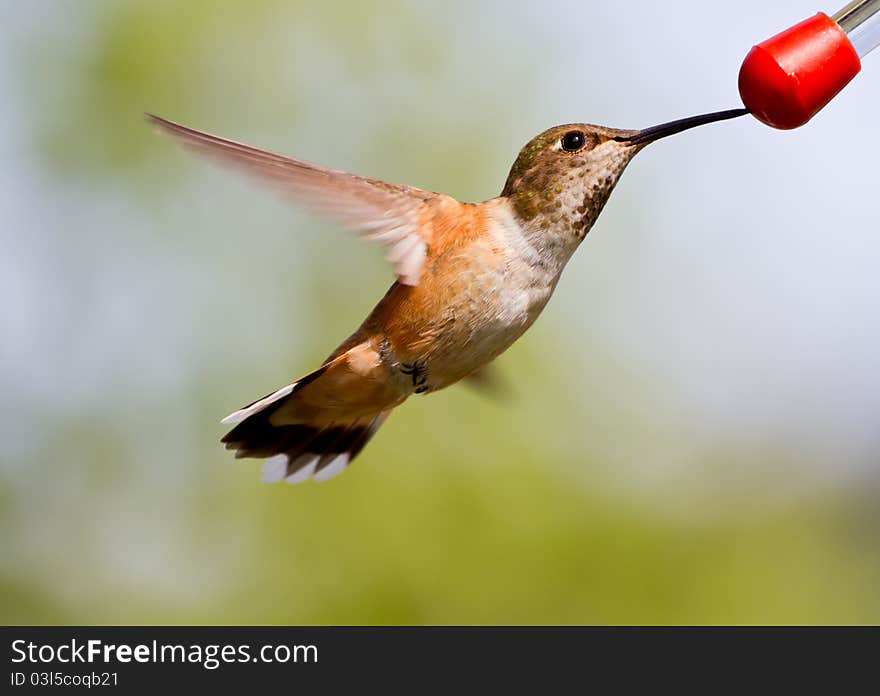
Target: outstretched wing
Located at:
point(379, 211)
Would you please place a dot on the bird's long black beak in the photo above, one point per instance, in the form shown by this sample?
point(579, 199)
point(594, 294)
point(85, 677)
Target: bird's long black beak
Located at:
point(649, 135)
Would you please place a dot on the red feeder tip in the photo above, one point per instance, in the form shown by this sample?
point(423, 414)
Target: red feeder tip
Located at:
point(788, 78)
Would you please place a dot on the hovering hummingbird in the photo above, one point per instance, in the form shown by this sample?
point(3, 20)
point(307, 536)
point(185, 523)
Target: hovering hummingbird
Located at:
point(471, 278)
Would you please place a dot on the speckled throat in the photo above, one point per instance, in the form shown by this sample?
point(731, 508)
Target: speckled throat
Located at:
point(562, 193)
point(562, 178)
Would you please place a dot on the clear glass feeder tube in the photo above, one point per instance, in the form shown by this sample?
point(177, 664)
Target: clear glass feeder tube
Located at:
point(861, 22)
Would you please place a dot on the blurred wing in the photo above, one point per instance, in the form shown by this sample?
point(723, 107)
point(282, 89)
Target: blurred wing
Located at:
point(379, 211)
point(489, 382)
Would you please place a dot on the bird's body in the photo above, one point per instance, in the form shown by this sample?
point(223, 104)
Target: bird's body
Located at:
point(472, 278)
point(477, 294)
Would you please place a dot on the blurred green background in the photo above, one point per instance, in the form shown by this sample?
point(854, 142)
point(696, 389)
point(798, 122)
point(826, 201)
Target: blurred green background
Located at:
point(689, 435)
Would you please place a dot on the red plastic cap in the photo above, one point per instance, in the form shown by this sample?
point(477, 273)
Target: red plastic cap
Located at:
point(788, 78)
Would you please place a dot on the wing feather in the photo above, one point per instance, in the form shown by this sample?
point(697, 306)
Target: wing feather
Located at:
point(376, 210)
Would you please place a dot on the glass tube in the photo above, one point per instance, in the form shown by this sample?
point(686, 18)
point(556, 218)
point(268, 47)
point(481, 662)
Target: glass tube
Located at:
point(861, 22)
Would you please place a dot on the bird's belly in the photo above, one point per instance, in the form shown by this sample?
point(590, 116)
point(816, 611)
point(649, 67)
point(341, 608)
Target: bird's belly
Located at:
point(487, 311)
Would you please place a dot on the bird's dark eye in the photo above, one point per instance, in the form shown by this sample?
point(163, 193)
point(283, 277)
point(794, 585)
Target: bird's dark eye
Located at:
point(573, 141)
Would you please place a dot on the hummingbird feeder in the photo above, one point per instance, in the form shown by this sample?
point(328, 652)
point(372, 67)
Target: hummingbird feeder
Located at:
point(790, 77)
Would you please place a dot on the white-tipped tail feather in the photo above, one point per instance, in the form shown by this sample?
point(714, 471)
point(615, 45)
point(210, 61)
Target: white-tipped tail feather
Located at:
point(297, 451)
point(306, 464)
point(336, 466)
point(304, 467)
point(242, 413)
point(274, 469)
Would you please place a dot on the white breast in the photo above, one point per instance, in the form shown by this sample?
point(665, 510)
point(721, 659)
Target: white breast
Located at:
point(534, 261)
point(503, 299)
point(501, 284)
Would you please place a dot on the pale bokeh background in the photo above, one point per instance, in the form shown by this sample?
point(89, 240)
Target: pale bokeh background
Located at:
point(693, 428)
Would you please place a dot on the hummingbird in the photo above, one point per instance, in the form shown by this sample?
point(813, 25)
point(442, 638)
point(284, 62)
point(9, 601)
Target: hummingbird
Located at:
point(471, 279)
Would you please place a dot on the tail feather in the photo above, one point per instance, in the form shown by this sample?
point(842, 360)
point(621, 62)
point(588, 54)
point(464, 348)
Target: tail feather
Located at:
point(316, 426)
point(299, 451)
point(261, 404)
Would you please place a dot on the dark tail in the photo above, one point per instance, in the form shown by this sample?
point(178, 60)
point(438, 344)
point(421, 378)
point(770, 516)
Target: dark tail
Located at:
point(298, 452)
point(316, 426)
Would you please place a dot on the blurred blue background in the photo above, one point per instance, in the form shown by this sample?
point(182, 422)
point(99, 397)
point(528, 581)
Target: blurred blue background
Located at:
point(692, 430)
